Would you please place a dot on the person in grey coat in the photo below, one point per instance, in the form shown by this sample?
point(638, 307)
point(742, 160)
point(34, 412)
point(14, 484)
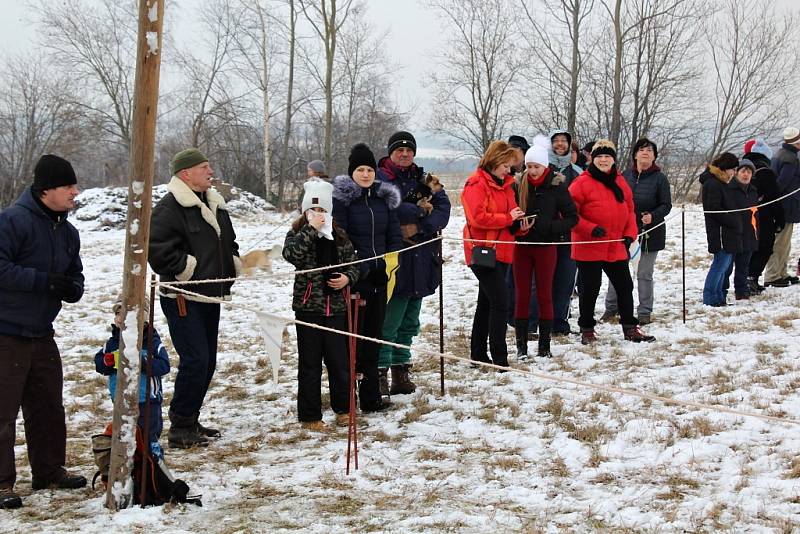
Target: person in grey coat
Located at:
point(652, 202)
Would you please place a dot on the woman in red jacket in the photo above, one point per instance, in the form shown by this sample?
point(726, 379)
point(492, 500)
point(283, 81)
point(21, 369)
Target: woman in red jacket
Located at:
point(490, 209)
point(605, 214)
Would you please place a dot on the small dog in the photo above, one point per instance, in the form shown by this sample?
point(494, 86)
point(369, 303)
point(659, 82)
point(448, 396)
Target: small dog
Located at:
point(427, 186)
point(260, 259)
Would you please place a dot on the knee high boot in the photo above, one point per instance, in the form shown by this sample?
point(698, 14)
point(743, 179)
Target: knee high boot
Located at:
point(545, 327)
point(521, 333)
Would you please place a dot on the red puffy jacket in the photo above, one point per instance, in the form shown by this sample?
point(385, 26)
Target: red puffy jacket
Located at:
point(486, 208)
point(597, 206)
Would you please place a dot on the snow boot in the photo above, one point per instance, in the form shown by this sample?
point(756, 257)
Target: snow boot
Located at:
point(635, 334)
point(204, 430)
point(383, 380)
point(544, 339)
point(588, 336)
point(65, 480)
point(521, 333)
point(401, 380)
point(183, 432)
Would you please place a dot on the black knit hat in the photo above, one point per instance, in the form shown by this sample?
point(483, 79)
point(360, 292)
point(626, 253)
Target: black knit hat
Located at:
point(604, 146)
point(52, 171)
point(588, 147)
point(642, 143)
point(360, 155)
point(401, 139)
point(517, 141)
point(725, 161)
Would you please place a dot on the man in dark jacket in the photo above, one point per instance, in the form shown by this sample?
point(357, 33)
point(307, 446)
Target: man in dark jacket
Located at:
point(652, 202)
point(744, 196)
point(40, 267)
point(418, 275)
point(786, 166)
point(770, 217)
point(560, 158)
point(723, 230)
point(192, 238)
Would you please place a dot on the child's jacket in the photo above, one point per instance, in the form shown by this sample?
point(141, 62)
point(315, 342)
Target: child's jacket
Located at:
point(306, 250)
point(106, 358)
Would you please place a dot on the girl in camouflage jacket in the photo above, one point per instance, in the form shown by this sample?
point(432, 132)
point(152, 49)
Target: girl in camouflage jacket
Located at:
point(315, 241)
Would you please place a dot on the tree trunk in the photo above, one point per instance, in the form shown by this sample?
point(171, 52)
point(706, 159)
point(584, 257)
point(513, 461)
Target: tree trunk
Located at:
point(572, 111)
point(330, 53)
point(616, 105)
point(265, 94)
point(134, 283)
point(287, 127)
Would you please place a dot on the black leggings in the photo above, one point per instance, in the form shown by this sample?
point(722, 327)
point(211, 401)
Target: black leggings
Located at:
point(490, 315)
point(591, 277)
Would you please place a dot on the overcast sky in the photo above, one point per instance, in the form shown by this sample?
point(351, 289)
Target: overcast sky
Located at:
point(413, 37)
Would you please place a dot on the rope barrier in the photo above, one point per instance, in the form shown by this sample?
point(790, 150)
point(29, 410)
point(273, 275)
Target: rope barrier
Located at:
point(535, 374)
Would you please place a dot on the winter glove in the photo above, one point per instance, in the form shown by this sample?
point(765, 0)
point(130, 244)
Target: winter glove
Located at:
point(61, 286)
point(598, 231)
point(377, 276)
point(628, 240)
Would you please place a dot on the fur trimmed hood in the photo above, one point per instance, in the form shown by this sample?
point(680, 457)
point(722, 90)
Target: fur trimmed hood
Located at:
point(187, 198)
point(346, 190)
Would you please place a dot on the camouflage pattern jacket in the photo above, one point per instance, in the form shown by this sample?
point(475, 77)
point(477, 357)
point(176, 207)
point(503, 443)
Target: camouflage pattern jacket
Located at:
point(311, 293)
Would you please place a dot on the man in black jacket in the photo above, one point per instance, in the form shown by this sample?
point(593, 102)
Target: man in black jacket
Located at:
point(786, 166)
point(40, 267)
point(192, 238)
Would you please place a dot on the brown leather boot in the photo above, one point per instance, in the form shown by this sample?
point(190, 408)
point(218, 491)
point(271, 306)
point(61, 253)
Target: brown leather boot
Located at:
point(635, 334)
point(401, 380)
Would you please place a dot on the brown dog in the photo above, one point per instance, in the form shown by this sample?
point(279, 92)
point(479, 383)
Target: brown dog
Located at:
point(260, 259)
point(427, 186)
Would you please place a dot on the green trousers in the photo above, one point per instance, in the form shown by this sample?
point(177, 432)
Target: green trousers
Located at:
point(400, 325)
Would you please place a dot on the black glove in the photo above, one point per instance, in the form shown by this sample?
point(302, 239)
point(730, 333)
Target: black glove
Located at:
point(628, 240)
point(598, 231)
point(61, 286)
point(377, 275)
point(778, 229)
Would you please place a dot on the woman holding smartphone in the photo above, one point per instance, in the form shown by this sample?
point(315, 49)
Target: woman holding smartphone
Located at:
point(549, 212)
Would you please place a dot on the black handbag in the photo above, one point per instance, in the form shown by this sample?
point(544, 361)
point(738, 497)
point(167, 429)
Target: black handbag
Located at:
point(482, 257)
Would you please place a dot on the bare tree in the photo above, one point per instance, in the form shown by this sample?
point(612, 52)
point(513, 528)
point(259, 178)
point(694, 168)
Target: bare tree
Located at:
point(96, 42)
point(752, 92)
point(470, 103)
point(37, 116)
point(326, 18)
point(556, 28)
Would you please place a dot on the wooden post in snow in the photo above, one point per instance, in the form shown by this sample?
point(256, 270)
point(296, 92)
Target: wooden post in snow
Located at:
point(119, 494)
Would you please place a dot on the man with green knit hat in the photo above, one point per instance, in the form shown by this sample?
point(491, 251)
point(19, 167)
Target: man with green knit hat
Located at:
point(192, 238)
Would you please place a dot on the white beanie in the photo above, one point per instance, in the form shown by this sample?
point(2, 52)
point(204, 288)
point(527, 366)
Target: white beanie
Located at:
point(538, 152)
point(318, 194)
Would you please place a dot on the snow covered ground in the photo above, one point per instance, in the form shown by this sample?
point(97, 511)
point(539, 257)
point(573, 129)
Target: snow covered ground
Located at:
point(497, 453)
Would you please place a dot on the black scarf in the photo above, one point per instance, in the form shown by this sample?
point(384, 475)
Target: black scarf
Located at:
point(55, 216)
point(609, 180)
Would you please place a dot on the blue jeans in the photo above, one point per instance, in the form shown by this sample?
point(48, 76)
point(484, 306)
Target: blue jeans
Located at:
point(563, 285)
point(740, 267)
point(714, 288)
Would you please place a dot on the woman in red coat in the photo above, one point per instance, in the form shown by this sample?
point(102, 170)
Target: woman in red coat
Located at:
point(605, 214)
point(490, 209)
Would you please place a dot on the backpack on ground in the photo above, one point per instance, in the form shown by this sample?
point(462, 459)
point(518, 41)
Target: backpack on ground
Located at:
point(161, 486)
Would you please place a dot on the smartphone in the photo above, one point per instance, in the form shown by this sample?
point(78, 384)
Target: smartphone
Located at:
point(528, 217)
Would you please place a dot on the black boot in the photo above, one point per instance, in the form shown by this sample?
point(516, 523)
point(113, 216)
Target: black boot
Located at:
point(183, 432)
point(383, 379)
point(204, 430)
point(521, 333)
point(544, 339)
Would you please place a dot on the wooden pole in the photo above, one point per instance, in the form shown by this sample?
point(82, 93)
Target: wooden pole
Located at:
point(119, 494)
point(683, 258)
point(441, 315)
